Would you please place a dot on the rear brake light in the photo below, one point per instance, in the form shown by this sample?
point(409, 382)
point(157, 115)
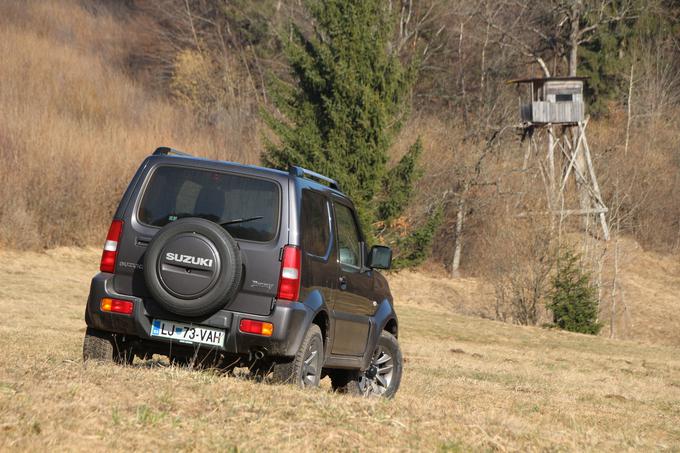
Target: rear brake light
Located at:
point(108, 263)
point(258, 327)
point(289, 281)
point(124, 307)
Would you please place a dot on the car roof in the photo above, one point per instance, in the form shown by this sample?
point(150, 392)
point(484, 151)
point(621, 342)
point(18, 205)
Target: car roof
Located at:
point(178, 158)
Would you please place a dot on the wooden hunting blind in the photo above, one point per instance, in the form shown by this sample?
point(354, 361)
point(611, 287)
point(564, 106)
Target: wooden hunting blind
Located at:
point(556, 100)
point(552, 112)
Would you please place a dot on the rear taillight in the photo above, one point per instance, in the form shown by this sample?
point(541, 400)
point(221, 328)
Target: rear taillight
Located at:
point(289, 281)
point(125, 307)
point(256, 327)
point(108, 263)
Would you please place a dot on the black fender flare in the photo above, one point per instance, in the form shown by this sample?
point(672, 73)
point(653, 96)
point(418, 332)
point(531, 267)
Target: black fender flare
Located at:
point(315, 305)
point(382, 317)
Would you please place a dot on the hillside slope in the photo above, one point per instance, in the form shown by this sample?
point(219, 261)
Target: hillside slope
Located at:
point(469, 383)
point(651, 287)
point(74, 125)
point(649, 283)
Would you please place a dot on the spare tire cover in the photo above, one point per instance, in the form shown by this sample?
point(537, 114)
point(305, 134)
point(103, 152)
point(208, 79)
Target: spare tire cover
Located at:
point(192, 267)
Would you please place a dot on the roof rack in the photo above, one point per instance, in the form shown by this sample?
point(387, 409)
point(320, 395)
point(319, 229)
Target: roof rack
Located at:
point(302, 172)
point(164, 151)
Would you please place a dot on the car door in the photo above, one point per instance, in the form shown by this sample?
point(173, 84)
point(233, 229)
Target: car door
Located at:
point(352, 307)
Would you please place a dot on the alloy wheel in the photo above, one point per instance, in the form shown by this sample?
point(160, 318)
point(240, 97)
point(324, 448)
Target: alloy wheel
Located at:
point(311, 366)
point(378, 377)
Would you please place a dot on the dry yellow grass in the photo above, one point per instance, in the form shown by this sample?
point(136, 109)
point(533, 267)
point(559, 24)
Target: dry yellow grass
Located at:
point(469, 384)
point(648, 297)
point(651, 288)
point(74, 125)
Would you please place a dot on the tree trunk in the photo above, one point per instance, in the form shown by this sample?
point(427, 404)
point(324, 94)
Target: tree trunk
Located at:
point(455, 263)
point(573, 58)
point(575, 28)
point(615, 283)
point(460, 218)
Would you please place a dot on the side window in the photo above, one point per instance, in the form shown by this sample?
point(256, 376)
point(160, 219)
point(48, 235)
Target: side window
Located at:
point(349, 247)
point(314, 222)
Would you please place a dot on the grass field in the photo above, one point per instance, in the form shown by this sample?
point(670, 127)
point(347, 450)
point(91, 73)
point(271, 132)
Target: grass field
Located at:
point(469, 384)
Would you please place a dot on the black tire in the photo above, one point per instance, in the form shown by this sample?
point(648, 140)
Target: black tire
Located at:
point(381, 379)
point(224, 282)
point(105, 347)
point(305, 368)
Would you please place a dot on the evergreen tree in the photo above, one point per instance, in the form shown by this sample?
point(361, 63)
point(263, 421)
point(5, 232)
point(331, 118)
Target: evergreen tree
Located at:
point(347, 103)
point(605, 58)
point(414, 248)
point(573, 299)
point(398, 184)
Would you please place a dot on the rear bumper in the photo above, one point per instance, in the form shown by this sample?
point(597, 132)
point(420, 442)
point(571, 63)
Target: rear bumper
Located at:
point(290, 320)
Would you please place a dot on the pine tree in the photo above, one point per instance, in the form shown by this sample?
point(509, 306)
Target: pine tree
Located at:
point(347, 102)
point(398, 184)
point(573, 299)
point(414, 248)
point(604, 60)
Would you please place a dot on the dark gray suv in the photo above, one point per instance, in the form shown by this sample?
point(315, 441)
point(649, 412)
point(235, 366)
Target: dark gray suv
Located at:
point(232, 265)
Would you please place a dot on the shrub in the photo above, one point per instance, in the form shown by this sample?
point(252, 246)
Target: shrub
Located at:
point(415, 246)
point(519, 261)
point(573, 299)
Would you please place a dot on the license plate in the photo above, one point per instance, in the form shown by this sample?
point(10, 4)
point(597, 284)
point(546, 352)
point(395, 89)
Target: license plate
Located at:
point(187, 333)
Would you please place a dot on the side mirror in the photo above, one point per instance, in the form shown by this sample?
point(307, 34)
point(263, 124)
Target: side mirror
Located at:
point(380, 257)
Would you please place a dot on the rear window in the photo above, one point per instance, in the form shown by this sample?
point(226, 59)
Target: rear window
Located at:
point(247, 207)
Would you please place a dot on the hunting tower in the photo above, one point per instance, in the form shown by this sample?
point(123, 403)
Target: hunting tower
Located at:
point(553, 118)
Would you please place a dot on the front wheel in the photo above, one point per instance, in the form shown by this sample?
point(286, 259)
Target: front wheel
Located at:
point(381, 378)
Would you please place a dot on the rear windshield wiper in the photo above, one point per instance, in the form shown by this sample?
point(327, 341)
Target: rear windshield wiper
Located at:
point(231, 222)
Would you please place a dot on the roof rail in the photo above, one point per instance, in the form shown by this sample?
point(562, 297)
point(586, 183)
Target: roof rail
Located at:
point(164, 151)
point(302, 172)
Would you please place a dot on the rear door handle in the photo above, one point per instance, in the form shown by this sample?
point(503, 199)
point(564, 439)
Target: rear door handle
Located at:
point(343, 283)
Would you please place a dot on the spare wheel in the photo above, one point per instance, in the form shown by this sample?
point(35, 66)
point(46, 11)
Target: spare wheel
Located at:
point(192, 267)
